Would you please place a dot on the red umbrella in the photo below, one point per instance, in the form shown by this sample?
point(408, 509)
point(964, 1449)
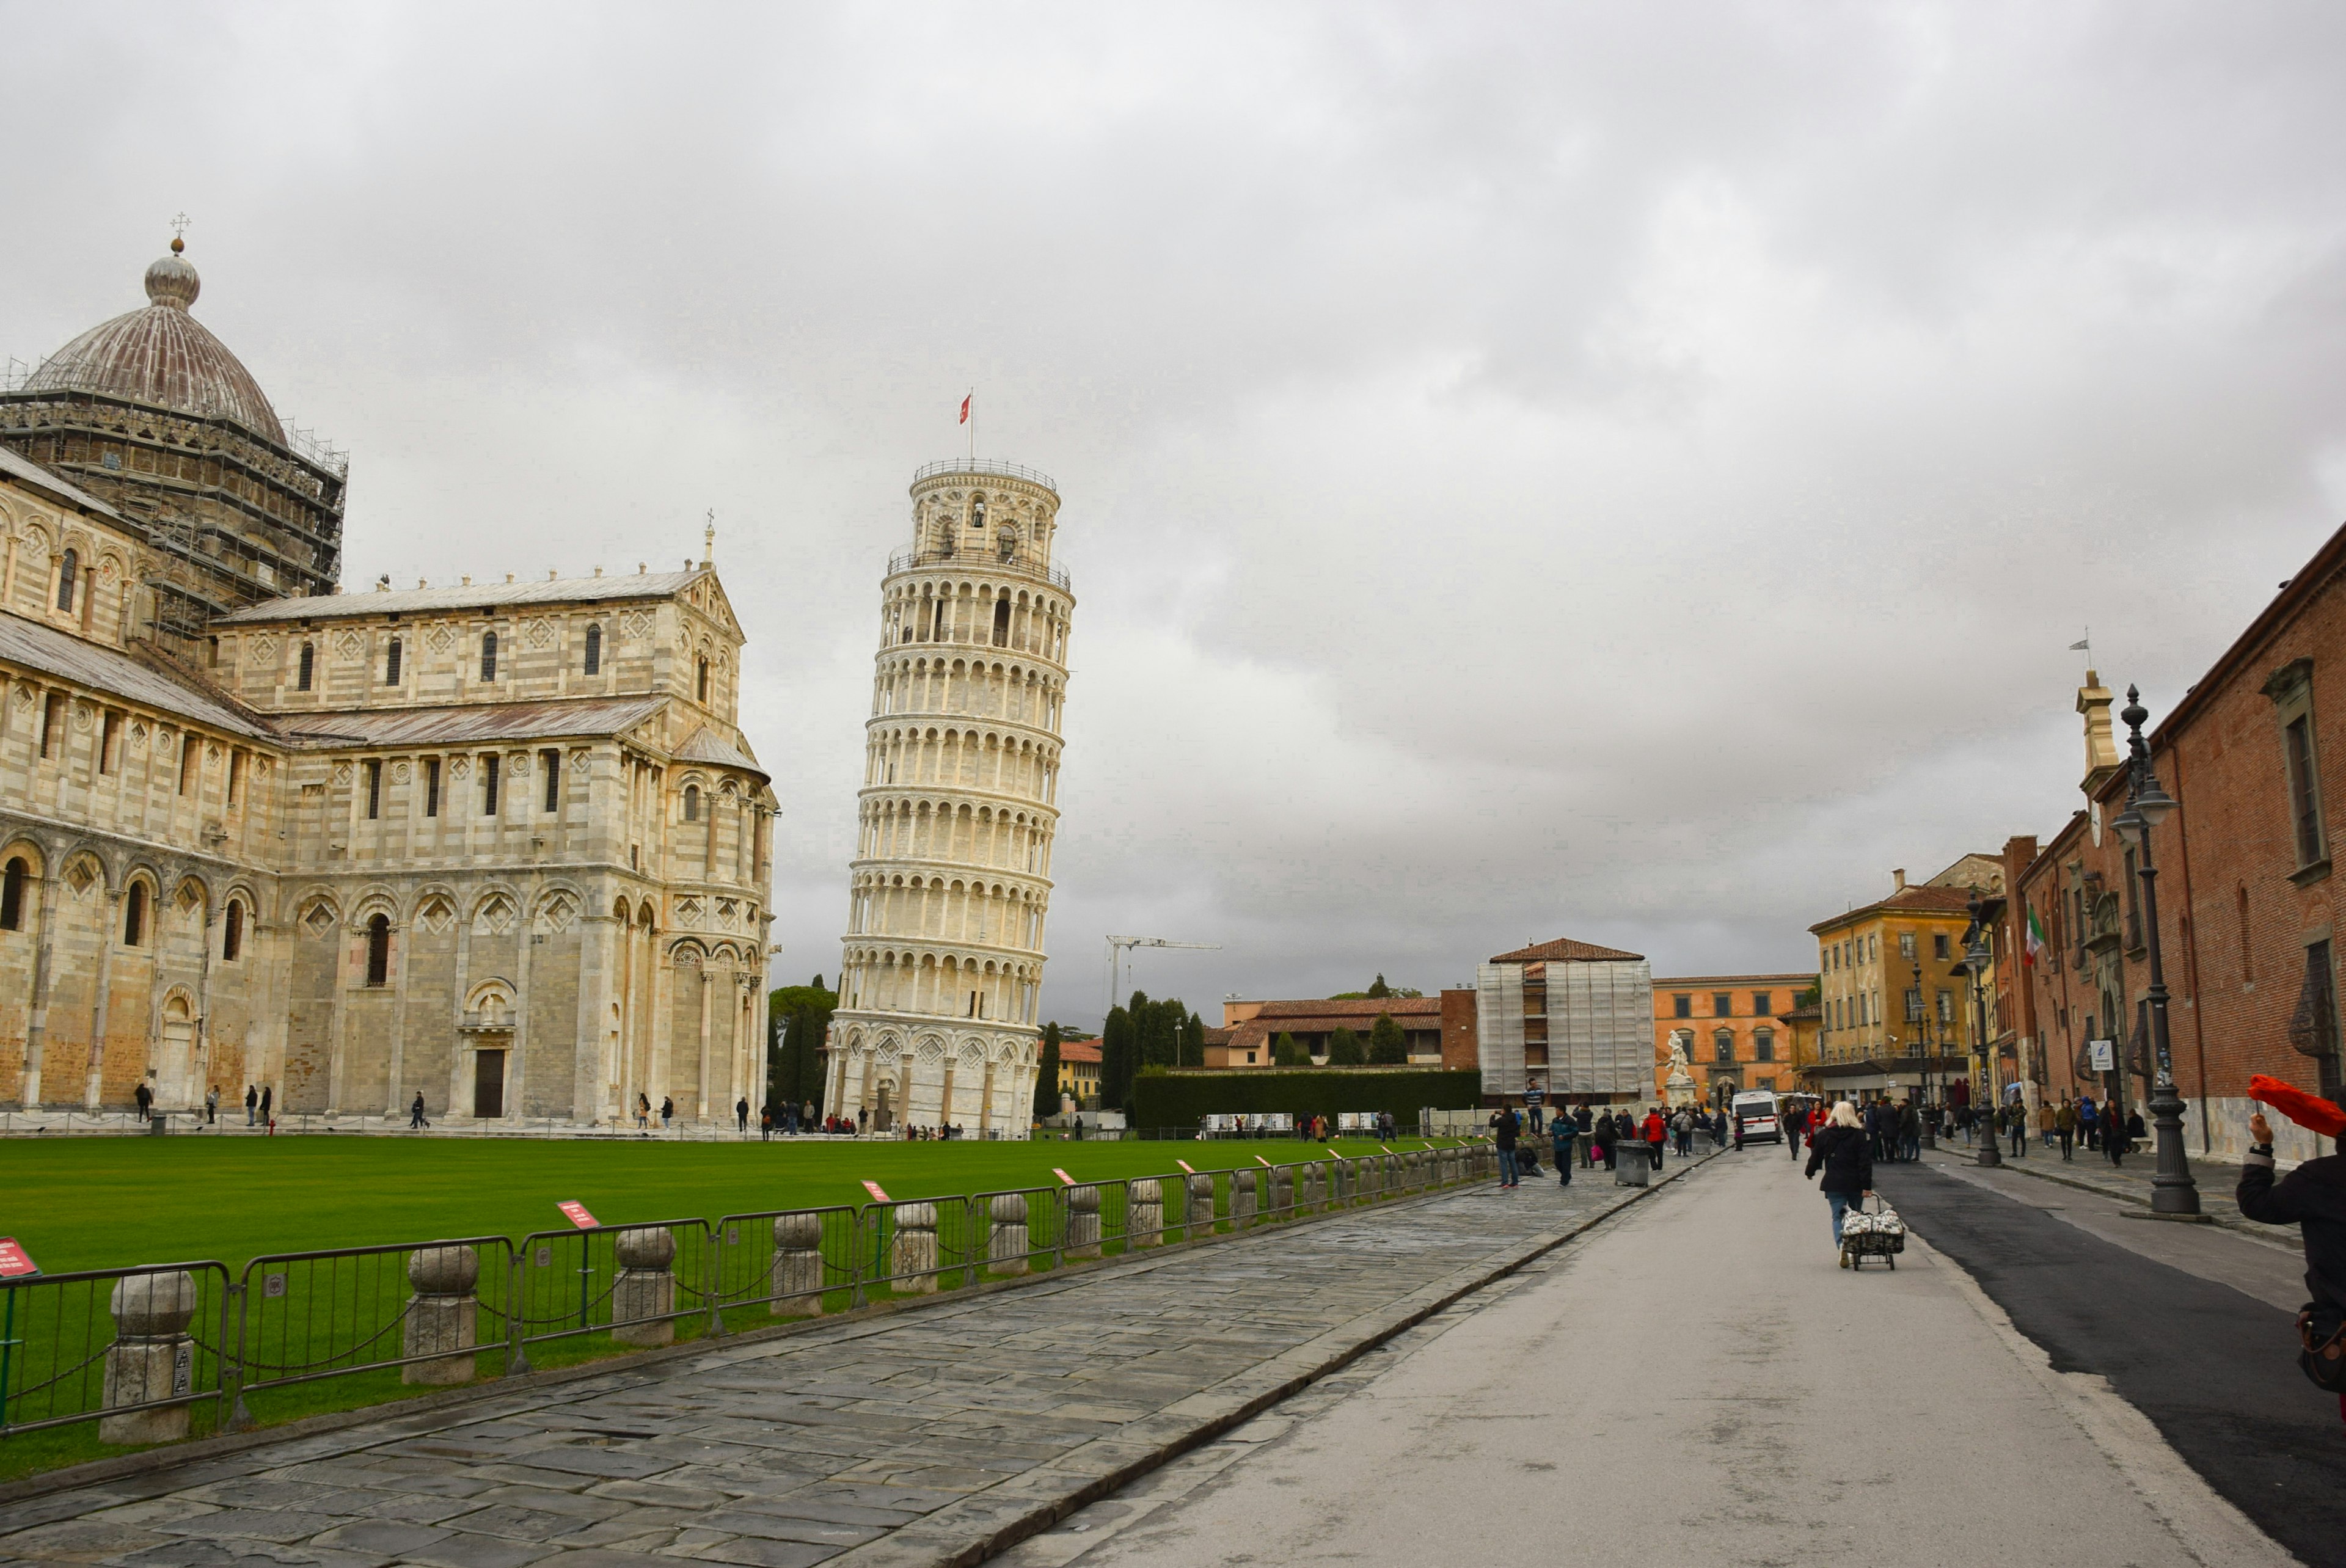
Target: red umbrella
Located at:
point(2306, 1110)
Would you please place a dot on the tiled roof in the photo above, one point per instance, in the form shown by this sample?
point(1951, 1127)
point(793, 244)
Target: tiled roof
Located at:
point(1564, 949)
point(1353, 1008)
point(707, 745)
point(479, 721)
point(1703, 981)
point(1914, 898)
point(54, 652)
point(476, 595)
point(1078, 1051)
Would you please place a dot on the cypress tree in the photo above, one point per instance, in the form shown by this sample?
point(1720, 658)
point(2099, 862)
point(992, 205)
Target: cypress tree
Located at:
point(1285, 1052)
point(1388, 1046)
point(1345, 1049)
point(1115, 1058)
point(1046, 1073)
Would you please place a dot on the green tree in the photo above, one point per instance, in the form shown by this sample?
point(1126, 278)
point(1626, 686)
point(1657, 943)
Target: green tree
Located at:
point(1285, 1052)
point(1344, 1050)
point(1046, 1073)
point(1388, 1046)
point(797, 1019)
point(1378, 989)
point(1193, 1043)
point(1117, 1064)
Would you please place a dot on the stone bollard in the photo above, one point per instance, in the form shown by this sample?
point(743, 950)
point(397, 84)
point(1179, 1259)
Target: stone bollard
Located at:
point(795, 1282)
point(442, 1315)
point(1282, 1191)
point(912, 1256)
point(1311, 1195)
point(1144, 1213)
point(1200, 1217)
point(152, 1357)
point(1083, 1238)
point(1246, 1196)
point(1364, 1178)
point(1005, 1240)
point(645, 1292)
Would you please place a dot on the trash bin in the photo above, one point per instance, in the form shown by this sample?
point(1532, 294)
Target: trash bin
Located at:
point(157, 1127)
point(1631, 1164)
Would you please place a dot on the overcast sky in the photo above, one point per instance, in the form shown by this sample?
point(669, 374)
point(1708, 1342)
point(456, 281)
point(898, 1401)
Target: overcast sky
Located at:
point(1630, 472)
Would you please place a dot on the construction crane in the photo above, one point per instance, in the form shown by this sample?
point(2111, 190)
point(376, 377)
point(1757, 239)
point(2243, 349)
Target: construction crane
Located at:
point(1125, 943)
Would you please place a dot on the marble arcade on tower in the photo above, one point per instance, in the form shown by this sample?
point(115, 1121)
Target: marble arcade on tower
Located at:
point(949, 892)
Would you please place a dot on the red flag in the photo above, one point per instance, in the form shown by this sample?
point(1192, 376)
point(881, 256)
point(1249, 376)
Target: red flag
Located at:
point(964, 410)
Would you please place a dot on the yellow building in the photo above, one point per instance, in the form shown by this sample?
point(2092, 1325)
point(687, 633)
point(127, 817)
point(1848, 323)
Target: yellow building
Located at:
point(1893, 1018)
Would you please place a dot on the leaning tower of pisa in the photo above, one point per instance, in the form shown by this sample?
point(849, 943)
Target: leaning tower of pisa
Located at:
point(943, 966)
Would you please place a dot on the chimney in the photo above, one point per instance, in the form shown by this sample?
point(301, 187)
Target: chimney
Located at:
point(2101, 745)
point(1899, 877)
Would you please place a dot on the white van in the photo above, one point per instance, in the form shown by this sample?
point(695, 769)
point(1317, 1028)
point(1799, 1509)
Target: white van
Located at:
point(1754, 1111)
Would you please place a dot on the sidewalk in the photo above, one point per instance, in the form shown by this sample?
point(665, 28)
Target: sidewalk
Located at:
point(2090, 1171)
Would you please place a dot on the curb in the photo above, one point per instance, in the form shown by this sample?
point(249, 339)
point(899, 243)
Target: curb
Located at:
point(1107, 1465)
point(523, 1387)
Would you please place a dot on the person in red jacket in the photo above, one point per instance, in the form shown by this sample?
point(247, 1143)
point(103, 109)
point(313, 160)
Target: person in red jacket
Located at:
point(1656, 1132)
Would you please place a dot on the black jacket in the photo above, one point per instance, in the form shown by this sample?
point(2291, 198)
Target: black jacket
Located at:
point(1845, 1158)
point(1504, 1127)
point(2313, 1197)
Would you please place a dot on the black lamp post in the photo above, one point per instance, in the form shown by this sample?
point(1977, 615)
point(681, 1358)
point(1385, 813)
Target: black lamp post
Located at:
point(2172, 1190)
point(1976, 959)
point(1920, 1015)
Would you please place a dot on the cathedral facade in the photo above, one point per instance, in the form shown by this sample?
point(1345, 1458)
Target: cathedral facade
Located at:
point(942, 973)
point(502, 845)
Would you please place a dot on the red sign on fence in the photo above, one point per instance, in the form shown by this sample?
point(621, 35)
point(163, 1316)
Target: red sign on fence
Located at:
point(13, 1260)
point(1065, 1179)
point(877, 1195)
point(575, 1213)
point(1186, 1166)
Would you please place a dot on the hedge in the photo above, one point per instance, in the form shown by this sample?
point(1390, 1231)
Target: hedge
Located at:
point(1181, 1099)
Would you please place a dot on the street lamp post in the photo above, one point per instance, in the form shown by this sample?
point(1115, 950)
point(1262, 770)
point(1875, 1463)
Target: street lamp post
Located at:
point(1976, 959)
point(2172, 1190)
point(1921, 1017)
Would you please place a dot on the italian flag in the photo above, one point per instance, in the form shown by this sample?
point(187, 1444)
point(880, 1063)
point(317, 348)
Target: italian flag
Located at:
point(2035, 936)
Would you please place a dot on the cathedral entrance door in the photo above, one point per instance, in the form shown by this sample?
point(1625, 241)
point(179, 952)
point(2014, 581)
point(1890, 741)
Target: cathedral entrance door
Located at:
point(881, 1121)
point(488, 1082)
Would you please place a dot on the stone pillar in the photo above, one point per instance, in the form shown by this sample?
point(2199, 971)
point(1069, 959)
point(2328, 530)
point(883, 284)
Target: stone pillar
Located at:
point(914, 1249)
point(1200, 1217)
point(646, 1291)
point(1083, 1238)
point(152, 1357)
point(1144, 1213)
point(1245, 1195)
point(441, 1315)
point(1282, 1191)
point(796, 1280)
point(1005, 1240)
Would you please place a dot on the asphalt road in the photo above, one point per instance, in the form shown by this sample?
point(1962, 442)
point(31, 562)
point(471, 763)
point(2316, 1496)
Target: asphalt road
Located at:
point(2210, 1363)
point(1698, 1383)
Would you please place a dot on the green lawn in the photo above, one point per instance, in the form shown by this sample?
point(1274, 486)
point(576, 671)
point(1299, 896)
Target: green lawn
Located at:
point(103, 1203)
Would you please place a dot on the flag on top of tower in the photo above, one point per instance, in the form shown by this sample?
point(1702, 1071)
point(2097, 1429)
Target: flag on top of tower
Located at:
point(964, 410)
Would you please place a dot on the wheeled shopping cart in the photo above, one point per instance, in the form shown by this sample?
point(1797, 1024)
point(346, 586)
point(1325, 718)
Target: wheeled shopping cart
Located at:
point(1875, 1232)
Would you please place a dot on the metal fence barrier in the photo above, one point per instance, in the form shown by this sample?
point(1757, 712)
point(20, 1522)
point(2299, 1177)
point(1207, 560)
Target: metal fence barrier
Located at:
point(151, 1354)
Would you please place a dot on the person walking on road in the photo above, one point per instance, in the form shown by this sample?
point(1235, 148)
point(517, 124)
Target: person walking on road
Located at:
point(1562, 1133)
point(1504, 1125)
point(2115, 1143)
point(267, 1116)
point(252, 1101)
point(1603, 1139)
point(668, 1108)
point(741, 1114)
point(2064, 1125)
point(211, 1106)
point(415, 1113)
point(2016, 1123)
point(2090, 1121)
point(145, 1096)
point(1841, 1153)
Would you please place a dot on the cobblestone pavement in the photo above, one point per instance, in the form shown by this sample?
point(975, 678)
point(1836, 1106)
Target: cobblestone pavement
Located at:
point(929, 1436)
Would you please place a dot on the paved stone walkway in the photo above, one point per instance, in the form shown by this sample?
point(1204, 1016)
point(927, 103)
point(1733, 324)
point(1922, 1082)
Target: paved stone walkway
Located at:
point(932, 1436)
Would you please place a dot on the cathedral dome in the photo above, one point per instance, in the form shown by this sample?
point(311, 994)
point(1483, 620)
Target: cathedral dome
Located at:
point(163, 356)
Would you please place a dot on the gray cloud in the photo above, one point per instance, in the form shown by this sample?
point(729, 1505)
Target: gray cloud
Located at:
point(1629, 472)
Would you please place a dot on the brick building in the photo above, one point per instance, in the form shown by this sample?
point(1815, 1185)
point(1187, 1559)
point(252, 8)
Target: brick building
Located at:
point(2253, 754)
point(1249, 1027)
point(1727, 1027)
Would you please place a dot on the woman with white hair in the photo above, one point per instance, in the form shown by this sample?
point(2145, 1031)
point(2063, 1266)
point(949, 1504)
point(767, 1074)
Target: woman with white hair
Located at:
point(1839, 1149)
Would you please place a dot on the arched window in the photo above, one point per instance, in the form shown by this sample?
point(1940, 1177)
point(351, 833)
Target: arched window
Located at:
point(702, 678)
point(12, 895)
point(977, 516)
point(488, 656)
point(391, 664)
point(232, 931)
point(134, 915)
point(1722, 1043)
point(594, 650)
point(1001, 622)
point(379, 950)
point(692, 802)
point(308, 666)
point(69, 576)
